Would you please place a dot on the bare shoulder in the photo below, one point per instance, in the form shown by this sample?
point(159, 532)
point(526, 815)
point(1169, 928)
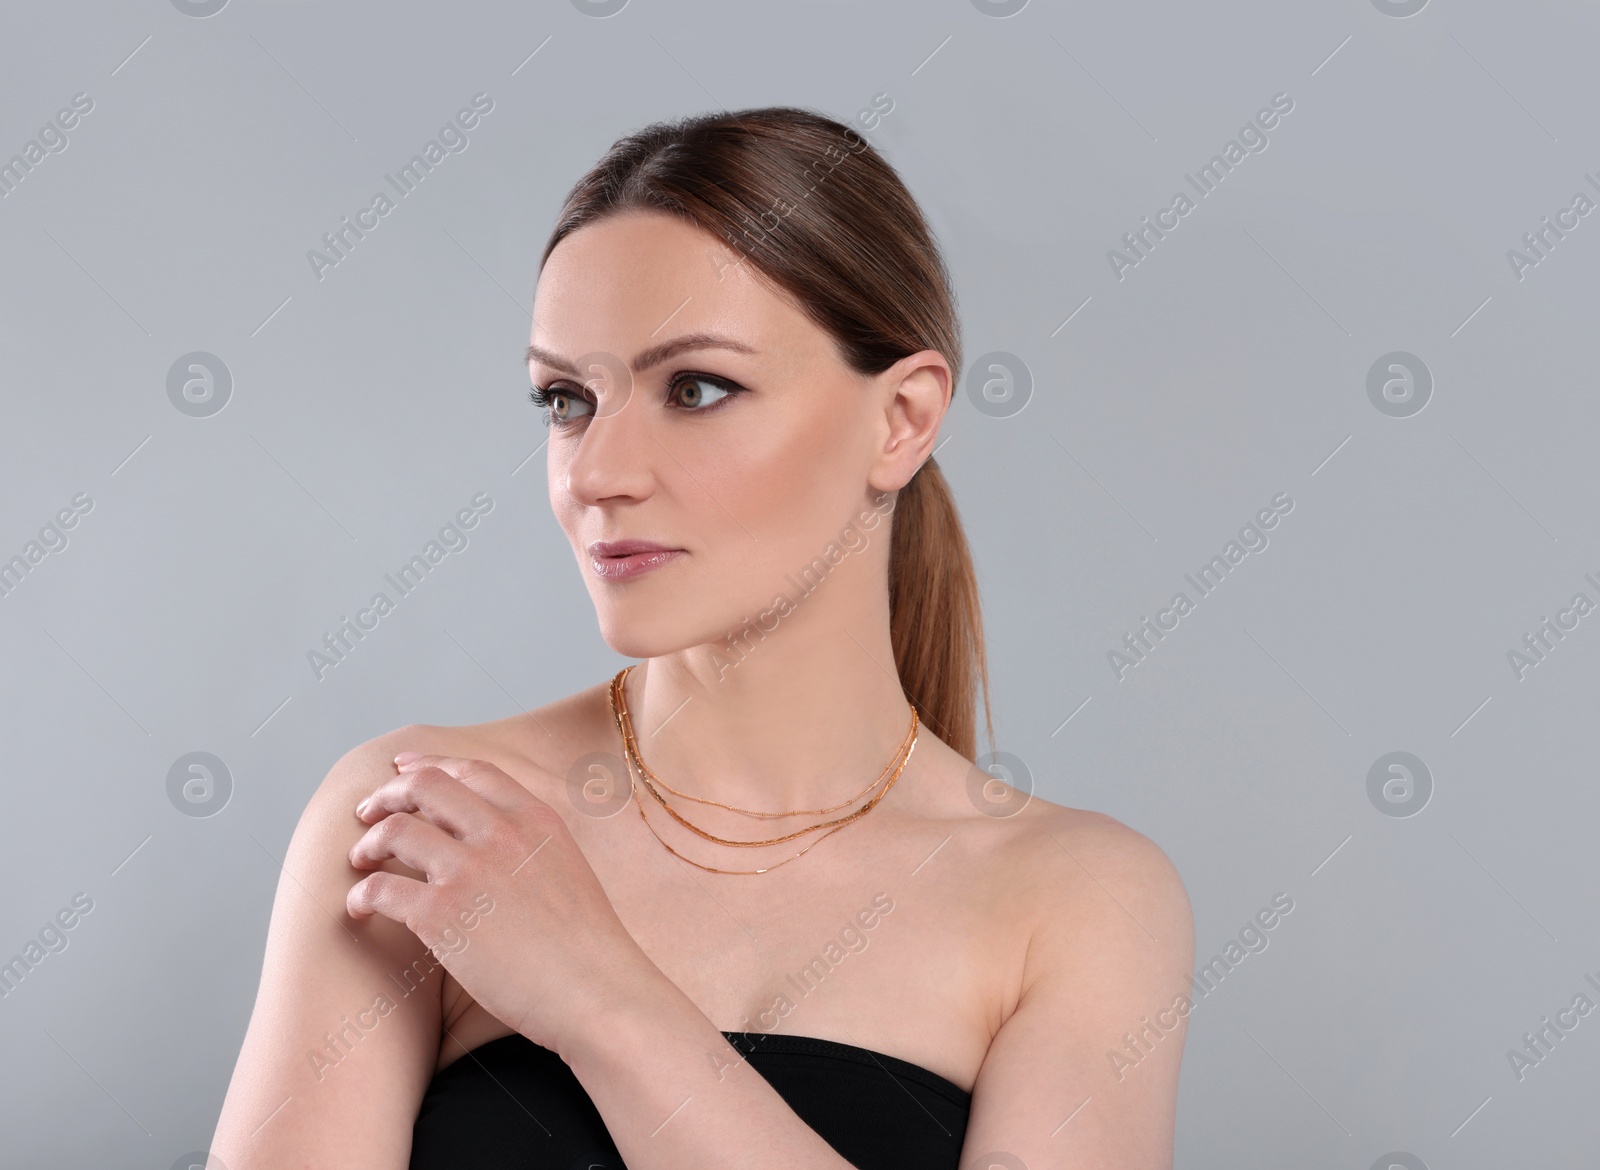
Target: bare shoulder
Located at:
point(544, 735)
point(1101, 1009)
point(1088, 879)
point(363, 769)
point(1084, 842)
point(326, 981)
point(367, 764)
point(1086, 898)
point(534, 745)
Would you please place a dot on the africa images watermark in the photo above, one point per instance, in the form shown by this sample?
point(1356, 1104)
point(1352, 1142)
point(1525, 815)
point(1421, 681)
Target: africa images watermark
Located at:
point(1143, 239)
point(1539, 1045)
point(1137, 646)
point(851, 538)
point(1253, 939)
point(339, 642)
point(1537, 645)
point(1551, 234)
point(852, 940)
point(52, 939)
point(451, 139)
point(337, 1046)
point(52, 139)
point(758, 230)
point(52, 538)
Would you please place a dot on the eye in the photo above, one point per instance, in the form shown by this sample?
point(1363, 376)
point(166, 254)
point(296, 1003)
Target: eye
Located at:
point(697, 392)
point(561, 406)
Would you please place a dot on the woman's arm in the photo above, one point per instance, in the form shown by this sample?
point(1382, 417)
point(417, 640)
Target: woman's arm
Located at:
point(1084, 1073)
point(675, 1095)
point(345, 1032)
point(557, 963)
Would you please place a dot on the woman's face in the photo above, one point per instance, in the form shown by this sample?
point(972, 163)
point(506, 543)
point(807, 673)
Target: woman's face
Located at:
point(719, 421)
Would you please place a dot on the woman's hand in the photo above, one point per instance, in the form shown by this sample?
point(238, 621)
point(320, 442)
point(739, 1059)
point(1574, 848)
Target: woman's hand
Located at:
point(511, 907)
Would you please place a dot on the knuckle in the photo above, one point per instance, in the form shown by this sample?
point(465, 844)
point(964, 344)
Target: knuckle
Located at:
point(391, 828)
point(365, 894)
point(499, 829)
point(420, 781)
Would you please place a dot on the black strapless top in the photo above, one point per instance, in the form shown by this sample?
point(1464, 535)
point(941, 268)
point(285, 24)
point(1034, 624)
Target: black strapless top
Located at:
point(511, 1104)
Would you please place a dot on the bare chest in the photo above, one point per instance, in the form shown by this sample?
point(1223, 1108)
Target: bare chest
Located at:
point(887, 941)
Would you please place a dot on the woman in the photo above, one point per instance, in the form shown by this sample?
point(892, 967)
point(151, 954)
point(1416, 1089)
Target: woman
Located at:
point(819, 936)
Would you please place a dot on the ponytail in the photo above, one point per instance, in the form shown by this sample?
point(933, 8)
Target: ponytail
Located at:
point(935, 623)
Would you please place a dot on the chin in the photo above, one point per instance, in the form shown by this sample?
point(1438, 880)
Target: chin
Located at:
point(634, 632)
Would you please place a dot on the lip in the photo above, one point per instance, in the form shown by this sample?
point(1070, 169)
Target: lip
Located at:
point(623, 560)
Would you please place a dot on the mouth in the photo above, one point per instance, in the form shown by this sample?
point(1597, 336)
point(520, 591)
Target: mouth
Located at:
point(622, 560)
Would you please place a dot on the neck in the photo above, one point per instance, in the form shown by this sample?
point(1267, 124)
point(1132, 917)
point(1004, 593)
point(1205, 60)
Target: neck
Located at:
point(802, 718)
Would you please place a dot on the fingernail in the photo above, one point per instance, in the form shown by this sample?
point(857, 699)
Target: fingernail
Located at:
point(407, 757)
point(361, 809)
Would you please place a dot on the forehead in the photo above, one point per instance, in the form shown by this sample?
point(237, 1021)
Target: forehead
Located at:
point(639, 278)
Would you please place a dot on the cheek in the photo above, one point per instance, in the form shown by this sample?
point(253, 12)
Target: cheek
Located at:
point(561, 502)
point(790, 491)
point(788, 475)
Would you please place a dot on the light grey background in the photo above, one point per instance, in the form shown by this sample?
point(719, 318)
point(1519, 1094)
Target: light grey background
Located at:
point(1167, 408)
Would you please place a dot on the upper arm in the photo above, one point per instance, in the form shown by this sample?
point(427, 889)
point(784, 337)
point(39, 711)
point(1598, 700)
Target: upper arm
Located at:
point(345, 1032)
point(1099, 1027)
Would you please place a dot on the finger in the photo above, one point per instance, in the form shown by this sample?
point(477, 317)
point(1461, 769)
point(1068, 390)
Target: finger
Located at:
point(434, 793)
point(480, 776)
point(413, 842)
point(392, 895)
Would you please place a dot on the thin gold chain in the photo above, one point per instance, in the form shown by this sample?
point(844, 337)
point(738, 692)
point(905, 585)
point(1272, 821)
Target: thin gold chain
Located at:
point(844, 820)
point(618, 707)
point(632, 747)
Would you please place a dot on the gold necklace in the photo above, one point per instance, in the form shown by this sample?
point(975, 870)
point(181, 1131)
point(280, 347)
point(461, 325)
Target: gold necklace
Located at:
point(620, 704)
point(625, 725)
point(619, 712)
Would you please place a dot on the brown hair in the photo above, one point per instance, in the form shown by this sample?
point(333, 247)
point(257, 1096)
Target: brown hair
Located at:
point(823, 217)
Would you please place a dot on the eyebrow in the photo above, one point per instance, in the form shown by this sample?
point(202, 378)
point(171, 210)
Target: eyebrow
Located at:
point(646, 358)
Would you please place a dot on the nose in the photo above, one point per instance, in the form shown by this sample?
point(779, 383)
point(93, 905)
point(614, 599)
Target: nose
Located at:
point(614, 458)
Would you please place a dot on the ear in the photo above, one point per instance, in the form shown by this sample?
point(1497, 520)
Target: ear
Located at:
point(915, 393)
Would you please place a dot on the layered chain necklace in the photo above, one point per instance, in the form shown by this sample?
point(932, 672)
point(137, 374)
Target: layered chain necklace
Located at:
point(619, 712)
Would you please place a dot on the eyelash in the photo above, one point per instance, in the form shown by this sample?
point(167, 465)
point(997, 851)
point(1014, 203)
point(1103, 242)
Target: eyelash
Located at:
point(540, 395)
